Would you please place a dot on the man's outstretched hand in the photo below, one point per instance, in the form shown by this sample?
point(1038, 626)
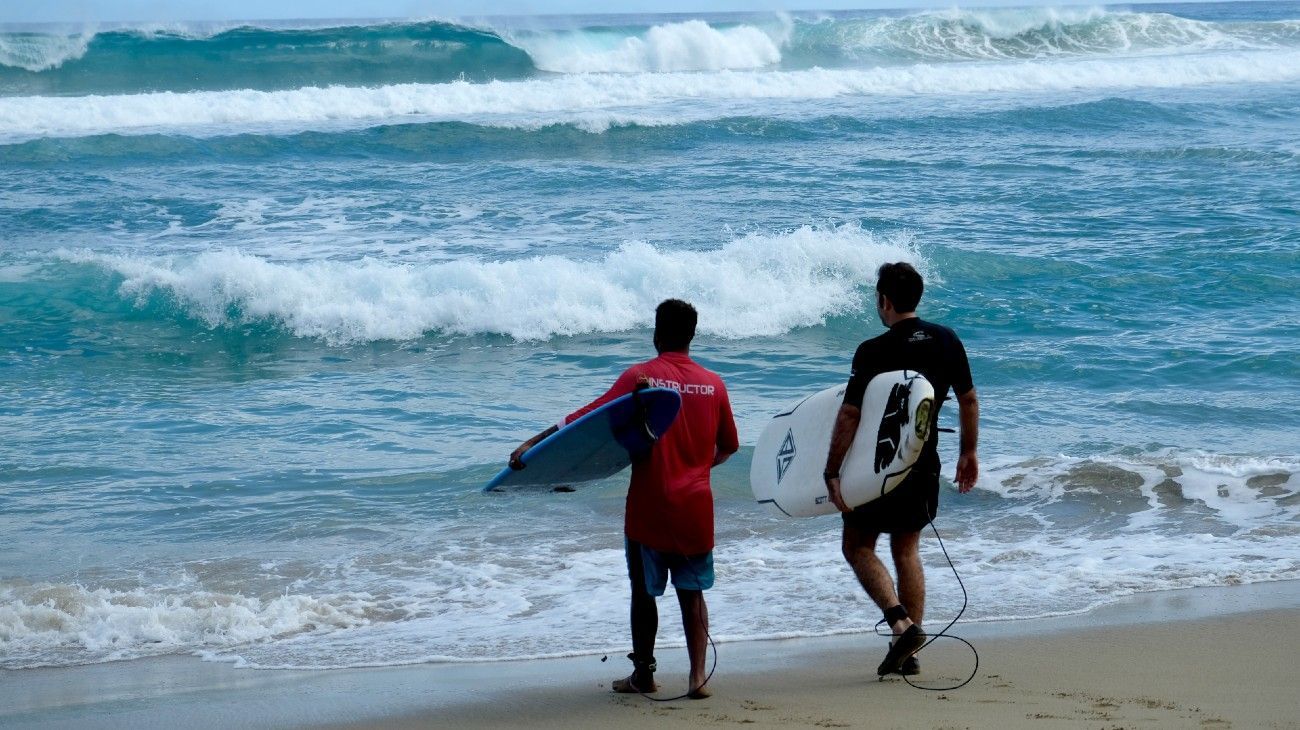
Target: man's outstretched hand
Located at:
point(516, 462)
point(517, 456)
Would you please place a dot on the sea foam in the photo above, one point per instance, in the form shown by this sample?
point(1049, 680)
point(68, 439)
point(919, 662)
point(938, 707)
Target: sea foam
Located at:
point(44, 624)
point(1039, 536)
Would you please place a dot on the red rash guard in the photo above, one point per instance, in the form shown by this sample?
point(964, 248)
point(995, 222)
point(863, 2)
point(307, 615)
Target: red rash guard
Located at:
point(669, 503)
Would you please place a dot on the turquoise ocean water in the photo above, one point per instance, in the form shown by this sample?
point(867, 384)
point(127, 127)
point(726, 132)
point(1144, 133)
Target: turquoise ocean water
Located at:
point(276, 299)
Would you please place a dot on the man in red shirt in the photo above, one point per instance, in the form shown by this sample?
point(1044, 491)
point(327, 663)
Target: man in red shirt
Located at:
point(668, 523)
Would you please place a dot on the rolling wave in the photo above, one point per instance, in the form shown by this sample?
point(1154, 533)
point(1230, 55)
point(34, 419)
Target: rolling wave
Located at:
point(133, 60)
point(447, 140)
point(1026, 34)
point(692, 45)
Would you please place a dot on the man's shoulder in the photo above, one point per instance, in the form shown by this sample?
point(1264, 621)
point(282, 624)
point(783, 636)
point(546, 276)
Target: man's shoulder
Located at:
point(700, 371)
point(917, 330)
point(642, 366)
point(940, 330)
point(872, 343)
point(662, 367)
point(636, 373)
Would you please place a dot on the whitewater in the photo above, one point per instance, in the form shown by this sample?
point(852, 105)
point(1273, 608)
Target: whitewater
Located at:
point(276, 299)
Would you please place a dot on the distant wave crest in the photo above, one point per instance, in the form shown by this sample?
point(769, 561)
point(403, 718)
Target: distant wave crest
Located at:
point(133, 60)
point(190, 58)
point(36, 52)
point(1028, 33)
point(687, 46)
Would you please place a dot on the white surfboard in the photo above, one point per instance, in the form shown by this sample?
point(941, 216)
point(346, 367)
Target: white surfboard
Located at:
point(791, 453)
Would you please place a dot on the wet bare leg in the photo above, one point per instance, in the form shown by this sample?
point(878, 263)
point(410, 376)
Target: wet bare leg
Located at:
point(695, 621)
point(905, 547)
point(860, 552)
point(645, 626)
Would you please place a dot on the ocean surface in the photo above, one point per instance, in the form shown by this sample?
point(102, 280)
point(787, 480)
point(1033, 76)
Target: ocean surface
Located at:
point(277, 299)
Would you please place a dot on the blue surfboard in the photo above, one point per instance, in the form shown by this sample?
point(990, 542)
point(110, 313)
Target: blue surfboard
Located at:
point(599, 444)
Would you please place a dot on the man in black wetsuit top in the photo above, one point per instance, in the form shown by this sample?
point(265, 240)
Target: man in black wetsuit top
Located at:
point(935, 351)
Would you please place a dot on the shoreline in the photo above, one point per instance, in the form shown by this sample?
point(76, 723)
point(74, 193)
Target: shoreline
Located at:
point(1153, 659)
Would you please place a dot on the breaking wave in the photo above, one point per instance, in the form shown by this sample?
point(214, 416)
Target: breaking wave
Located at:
point(757, 285)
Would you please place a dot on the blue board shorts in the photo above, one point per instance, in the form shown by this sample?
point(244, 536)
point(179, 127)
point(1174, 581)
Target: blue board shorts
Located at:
point(689, 572)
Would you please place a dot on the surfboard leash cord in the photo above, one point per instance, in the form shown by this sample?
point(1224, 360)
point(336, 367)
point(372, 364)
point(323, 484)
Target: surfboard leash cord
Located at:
point(687, 694)
point(965, 601)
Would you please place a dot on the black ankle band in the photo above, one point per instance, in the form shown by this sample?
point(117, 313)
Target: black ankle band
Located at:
point(895, 614)
point(643, 666)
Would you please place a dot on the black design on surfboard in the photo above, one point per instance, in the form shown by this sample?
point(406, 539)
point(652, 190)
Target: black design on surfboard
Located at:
point(890, 434)
point(785, 455)
point(776, 504)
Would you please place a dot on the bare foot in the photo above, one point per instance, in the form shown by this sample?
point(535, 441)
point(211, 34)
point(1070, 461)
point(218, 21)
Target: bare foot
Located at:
point(700, 692)
point(629, 687)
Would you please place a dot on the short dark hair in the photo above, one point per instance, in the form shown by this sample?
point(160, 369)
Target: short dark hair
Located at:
point(902, 284)
point(674, 325)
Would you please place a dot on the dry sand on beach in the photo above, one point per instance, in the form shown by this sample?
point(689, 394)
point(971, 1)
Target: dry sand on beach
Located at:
point(1239, 671)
